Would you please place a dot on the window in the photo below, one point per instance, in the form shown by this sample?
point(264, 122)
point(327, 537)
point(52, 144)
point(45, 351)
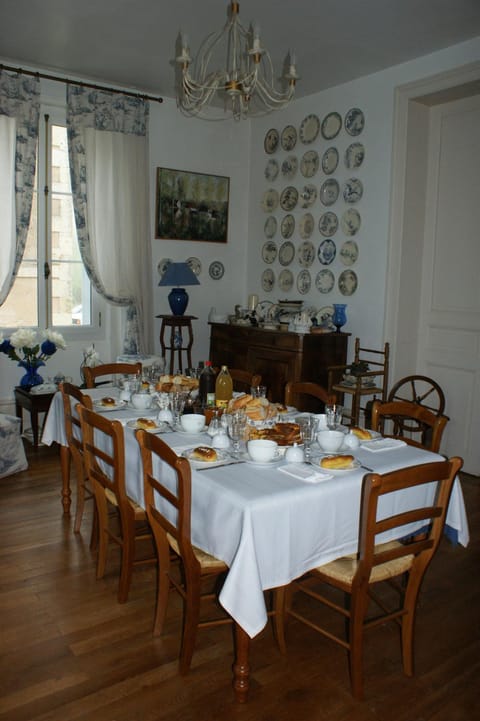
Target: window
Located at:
point(52, 288)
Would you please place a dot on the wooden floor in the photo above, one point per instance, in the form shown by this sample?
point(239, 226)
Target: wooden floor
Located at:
point(70, 652)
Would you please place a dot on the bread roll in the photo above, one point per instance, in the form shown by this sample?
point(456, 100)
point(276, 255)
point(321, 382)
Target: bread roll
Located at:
point(337, 462)
point(204, 453)
point(108, 401)
point(146, 423)
point(362, 433)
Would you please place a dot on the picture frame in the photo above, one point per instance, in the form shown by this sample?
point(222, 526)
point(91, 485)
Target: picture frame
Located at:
point(191, 206)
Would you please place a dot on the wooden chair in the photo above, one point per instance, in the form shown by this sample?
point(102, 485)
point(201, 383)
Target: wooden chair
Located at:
point(356, 575)
point(407, 419)
point(162, 504)
point(120, 519)
point(298, 394)
point(109, 369)
point(244, 380)
point(365, 382)
point(72, 396)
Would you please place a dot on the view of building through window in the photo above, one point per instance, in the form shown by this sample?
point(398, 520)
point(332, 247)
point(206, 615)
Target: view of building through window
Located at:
point(62, 299)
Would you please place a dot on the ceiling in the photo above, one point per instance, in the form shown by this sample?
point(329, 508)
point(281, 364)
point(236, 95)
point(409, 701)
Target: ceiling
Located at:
point(131, 43)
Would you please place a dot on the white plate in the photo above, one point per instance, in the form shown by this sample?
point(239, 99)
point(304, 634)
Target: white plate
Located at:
point(270, 227)
point(306, 253)
point(163, 265)
point(271, 141)
point(309, 163)
point(325, 280)
point(331, 125)
point(285, 280)
point(307, 226)
point(354, 156)
point(289, 198)
point(308, 196)
point(336, 471)
point(329, 192)
point(287, 226)
point(309, 128)
point(330, 161)
point(216, 270)
point(269, 251)
point(179, 429)
point(327, 251)
point(194, 265)
point(304, 282)
point(352, 190)
point(349, 252)
point(286, 253)
point(221, 456)
point(288, 137)
point(271, 170)
point(107, 409)
point(328, 224)
point(274, 462)
point(347, 282)
point(290, 167)
point(268, 280)
point(270, 200)
point(350, 222)
point(354, 121)
point(160, 428)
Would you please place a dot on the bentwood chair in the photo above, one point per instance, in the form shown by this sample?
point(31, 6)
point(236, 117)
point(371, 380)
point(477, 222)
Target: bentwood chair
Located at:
point(72, 396)
point(413, 423)
point(168, 510)
point(298, 394)
point(108, 370)
point(120, 519)
point(359, 576)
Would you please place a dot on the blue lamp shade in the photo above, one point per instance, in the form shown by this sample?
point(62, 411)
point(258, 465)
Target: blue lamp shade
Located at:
point(178, 275)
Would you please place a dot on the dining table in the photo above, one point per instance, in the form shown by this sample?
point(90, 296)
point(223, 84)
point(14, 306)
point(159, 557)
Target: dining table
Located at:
point(269, 523)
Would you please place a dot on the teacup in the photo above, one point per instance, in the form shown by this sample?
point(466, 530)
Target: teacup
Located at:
point(262, 450)
point(193, 422)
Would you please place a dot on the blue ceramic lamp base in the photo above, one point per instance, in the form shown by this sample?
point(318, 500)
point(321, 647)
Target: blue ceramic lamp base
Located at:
point(178, 300)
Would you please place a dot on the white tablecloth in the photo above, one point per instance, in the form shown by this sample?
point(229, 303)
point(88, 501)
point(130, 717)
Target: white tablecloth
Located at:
point(269, 527)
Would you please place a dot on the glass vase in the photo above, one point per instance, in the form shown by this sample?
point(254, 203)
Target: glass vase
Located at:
point(339, 315)
point(31, 377)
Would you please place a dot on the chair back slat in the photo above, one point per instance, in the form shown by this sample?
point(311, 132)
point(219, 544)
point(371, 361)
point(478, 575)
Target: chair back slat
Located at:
point(92, 374)
point(430, 425)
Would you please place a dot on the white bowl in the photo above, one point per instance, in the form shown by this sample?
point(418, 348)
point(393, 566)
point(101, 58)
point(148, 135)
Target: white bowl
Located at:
point(262, 451)
point(192, 422)
point(330, 441)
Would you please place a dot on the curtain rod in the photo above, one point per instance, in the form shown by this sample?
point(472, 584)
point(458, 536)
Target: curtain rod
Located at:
point(142, 96)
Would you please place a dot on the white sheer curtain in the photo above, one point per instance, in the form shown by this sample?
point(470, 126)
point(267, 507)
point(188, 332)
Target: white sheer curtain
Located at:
point(108, 146)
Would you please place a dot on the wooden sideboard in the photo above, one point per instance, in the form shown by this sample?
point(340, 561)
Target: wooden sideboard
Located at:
point(279, 356)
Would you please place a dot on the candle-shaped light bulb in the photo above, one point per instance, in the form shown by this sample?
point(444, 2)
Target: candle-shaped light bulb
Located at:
point(256, 37)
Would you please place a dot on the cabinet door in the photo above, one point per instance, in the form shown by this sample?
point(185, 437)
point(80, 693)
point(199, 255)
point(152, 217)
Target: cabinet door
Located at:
point(276, 368)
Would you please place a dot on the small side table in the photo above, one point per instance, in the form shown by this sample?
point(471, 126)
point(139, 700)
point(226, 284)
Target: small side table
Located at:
point(176, 323)
point(34, 404)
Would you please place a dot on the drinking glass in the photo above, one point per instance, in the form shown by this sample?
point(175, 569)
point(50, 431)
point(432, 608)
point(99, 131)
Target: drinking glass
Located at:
point(308, 431)
point(258, 391)
point(334, 415)
point(237, 422)
point(177, 403)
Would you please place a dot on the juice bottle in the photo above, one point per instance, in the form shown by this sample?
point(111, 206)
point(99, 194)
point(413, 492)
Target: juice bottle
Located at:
point(223, 388)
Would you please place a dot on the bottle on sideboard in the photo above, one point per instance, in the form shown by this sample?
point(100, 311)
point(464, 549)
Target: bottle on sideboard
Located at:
point(206, 386)
point(223, 388)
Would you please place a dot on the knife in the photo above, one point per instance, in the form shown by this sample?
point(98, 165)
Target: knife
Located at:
point(220, 465)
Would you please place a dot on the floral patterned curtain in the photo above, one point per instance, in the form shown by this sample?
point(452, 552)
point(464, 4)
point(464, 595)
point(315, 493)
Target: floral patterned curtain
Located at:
point(19, 118)
point(108, 150)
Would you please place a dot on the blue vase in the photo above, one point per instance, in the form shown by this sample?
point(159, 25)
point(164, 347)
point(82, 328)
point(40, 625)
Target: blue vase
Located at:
point(339, 315)
point(178, 300)
point(31, 377)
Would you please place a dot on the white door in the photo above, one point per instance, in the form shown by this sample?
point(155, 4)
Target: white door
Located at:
point(449, 322)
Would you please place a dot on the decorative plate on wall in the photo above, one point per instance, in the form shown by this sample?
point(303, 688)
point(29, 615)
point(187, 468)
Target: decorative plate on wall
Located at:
point(347, 282)
point(304, 281)
point(308, 195)
point(290, 167)
point(329, 192)
point(327, 251)
point(271, 141)
point(328, 224)
point(288, 138)
point(354, 156)
point(270, 227)
point(354, 121)
point(270, 200)
point(216, 270)
point(285, 280)
point(289, 198)
point(331, 125)
point(287, 226)
point(330, 160)
point(268, 280)
point(271, 170)
point(269, 251)
point(195, 265)
point(286, 253)
point(325, 280)
point(163, 265)
point(309, 129)
point(349, 252)
point(352, 190)
point(309, 163)
point(306, 253)
point(307, 225)
point(350, 221)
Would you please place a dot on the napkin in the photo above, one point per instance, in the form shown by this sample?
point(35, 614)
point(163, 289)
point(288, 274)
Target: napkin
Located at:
point(305, 473)
point(383, 444)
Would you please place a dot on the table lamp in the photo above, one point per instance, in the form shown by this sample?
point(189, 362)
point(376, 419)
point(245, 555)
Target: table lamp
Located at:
point(176, 275)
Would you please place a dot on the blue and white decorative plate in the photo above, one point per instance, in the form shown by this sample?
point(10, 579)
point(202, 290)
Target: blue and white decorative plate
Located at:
point(354, 121)
point(216, 270)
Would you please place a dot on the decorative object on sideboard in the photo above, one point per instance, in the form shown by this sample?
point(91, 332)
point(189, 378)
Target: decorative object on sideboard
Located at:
point(31, 352)
point(232, 72)
point(176, 276)
point(339, 315)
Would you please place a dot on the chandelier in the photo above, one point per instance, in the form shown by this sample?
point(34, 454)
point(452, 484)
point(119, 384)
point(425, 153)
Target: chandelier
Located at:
point(244, 86)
